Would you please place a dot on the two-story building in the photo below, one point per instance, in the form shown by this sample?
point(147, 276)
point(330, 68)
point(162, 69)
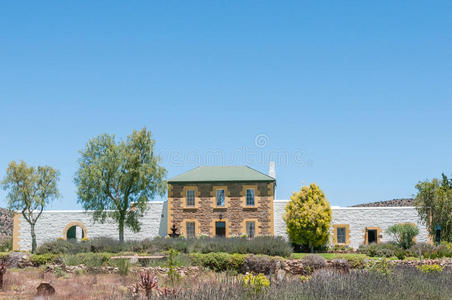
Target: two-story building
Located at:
point(221, 201)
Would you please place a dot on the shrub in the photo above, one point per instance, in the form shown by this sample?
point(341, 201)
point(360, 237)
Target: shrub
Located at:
point(308, 217)
point(87, 259)
point(403, 234)
point(6, 245)
point(255, 283)
point(430, 268)
point(123, 266)
point(355, 261)
point(219, 261)
point(313, 262)
point(275, 246)
point(43, 259)
point(381, 266)
point(421, 249)
point(380, 250)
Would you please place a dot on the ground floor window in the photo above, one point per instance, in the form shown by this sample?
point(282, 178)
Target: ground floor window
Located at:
point(190, 229)
point(220, 229)
point(340, 235)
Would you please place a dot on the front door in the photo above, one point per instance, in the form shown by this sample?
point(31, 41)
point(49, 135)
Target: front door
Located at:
point(220, 229)
point(371, 236)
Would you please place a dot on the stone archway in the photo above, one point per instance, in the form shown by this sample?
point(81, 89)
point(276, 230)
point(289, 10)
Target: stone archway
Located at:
point(75, 230)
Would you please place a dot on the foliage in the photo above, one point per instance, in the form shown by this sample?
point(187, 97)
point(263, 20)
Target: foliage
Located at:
point(92, 260)
point(30, 189)
point(219, 261)
point(113, 175)
point(255, 284)
point(381, 250)
point(3, 268)
point(381, 266)
point(173, 275)
point(305, 277)
point(313, 262)
point(43, 259)
point(308, 217)
point(274, 246)
point(434, 205)
point(403, 234)
point(6, 245)
point(123, 266)
point(430, 268)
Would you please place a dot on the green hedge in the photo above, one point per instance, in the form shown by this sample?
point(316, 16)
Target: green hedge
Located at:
point(219, 261)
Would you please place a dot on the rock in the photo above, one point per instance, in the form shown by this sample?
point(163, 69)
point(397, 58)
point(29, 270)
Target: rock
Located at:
point(45, 289)
point(19, 260)
point(281, 275)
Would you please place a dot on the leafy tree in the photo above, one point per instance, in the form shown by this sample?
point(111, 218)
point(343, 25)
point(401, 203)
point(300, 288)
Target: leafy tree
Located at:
point(117, 179)
point(434, 205)
point(403, 234)
point(30, 189)
point(308, 217)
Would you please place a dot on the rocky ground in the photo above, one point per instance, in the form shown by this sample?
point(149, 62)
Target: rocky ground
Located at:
point(6, 224)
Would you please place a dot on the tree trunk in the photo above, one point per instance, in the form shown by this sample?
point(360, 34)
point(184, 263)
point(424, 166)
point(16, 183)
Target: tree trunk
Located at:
point(33, 238)
point(121, 228)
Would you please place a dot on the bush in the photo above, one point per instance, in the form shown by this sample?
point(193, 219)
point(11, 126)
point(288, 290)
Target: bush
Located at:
point(381, 250)
point(430, 268)
point(6, 245)
point(219, 261)
point(403, 234)
point(274, 246)
point(43, 259)
point(255, 283)
point(313, 262)
point(87, 259)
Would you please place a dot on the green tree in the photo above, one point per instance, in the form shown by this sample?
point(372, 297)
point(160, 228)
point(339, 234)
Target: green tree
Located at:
point(403, 234)
point(117, 179)
point(308, 217)
point(434, 205)
point(30, 189)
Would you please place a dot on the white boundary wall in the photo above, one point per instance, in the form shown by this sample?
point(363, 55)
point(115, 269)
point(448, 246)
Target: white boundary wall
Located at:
point(51, 224)
point(359, 218)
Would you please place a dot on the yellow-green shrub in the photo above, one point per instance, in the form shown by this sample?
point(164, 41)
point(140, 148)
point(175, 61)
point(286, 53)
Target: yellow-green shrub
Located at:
point(430, 268)
point(255, 283)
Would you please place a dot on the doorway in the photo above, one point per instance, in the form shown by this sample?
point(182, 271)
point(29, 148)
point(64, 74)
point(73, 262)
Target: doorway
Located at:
point(372, 236)
point(220, 229)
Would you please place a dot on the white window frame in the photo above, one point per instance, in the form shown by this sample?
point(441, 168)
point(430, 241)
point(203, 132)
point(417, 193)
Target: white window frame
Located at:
point(254, 197)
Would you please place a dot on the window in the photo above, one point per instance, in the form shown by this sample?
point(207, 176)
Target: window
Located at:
point(340, 232)
point(250, 197)
point(190, 229)
point(220, 197)
point(220, 229)
point(191, 198)
point(250, 229)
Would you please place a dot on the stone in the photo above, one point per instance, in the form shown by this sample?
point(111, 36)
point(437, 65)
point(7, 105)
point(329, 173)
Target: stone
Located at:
point(281, 275)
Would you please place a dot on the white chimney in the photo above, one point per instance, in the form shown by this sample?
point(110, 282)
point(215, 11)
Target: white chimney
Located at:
point(271, 171)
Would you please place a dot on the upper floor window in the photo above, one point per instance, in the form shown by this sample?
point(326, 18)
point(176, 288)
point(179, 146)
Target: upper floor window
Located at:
point(190, 198)
point(220, 197)
point(340, 235)
point(190, 229)
point(250, 197)
point(250, 229)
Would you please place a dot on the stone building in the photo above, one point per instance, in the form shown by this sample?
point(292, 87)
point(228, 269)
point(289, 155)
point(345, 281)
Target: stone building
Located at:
point(223, 201)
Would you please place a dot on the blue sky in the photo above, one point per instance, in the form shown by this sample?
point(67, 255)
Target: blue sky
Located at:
point(355, 96)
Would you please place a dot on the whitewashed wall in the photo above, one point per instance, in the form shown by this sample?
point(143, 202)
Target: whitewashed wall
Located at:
point(51, 224)
point(359, 218)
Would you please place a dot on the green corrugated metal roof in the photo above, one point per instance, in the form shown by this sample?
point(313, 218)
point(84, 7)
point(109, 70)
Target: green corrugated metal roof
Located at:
point(229, 173)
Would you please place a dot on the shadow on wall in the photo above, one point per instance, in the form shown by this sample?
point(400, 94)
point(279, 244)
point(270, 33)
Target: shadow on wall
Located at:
point(163, 220)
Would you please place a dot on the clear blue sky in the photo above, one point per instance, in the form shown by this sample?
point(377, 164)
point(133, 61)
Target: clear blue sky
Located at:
point(355, 96)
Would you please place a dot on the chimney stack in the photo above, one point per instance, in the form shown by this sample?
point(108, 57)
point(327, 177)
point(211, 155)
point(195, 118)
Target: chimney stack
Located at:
point(271, 171)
